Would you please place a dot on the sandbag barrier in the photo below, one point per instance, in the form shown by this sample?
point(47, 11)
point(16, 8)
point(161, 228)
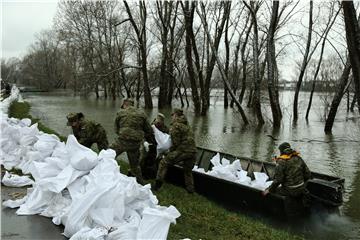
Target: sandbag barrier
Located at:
point(77, 187)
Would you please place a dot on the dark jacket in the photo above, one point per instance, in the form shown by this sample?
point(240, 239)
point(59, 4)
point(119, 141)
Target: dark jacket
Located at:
point(291, 172)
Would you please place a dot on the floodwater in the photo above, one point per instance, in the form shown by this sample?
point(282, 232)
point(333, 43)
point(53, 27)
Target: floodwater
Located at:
point(222, 130)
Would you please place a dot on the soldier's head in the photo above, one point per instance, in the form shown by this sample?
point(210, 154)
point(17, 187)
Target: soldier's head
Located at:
point(177, 113)
point(160, 117)
point(128, 102)
point(74, 119)
point(285, 148)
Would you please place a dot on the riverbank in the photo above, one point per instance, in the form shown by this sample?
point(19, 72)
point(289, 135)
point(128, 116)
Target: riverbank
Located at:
point(200, 217)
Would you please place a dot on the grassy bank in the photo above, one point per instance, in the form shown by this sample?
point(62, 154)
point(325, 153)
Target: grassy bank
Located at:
point(21, 110)
point(200, 218)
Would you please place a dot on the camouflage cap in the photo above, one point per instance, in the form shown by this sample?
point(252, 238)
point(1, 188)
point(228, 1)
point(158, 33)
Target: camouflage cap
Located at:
point(129, 101)
point(284, 146)
point(161, 116)
point(73, 117)
point(178, 112)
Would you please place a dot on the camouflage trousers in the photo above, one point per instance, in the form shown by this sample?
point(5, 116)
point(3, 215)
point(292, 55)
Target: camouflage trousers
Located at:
point(132, 150)
point(175, 157)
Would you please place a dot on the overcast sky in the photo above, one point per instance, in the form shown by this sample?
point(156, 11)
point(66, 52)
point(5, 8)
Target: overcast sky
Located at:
point(21, 20)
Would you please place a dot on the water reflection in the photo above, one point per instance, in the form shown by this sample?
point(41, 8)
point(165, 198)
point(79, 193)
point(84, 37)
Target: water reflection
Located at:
point(222, 130)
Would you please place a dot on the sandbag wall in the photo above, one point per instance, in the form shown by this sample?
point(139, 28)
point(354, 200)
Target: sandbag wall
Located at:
point(77, 187)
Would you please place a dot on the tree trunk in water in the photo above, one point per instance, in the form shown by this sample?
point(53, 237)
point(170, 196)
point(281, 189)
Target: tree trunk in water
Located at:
point(353, 102)
point(337, 98)
point(97, 90)
point(272, 69)
point(227, 56)
point(304, 64)
point(353, 42)
point(257, 79)
point(327, 29)
point(189, 18)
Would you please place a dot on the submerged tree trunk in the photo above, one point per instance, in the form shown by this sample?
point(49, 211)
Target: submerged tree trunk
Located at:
point(257, 78)
point(304, 64)
point(337, 98)
point(353, 42)
point(189, 18)
point(272, 68)
point(324, 36)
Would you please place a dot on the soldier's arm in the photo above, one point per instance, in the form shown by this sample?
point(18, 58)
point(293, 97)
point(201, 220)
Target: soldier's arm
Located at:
point(278, 178)
point(176, 135)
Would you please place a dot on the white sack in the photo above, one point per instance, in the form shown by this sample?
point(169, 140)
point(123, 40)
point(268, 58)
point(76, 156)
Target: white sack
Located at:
point(14, 203)
point(90, 234)
point(82, 158)
point(13, 180)
point(156, 222)
point(163, 141)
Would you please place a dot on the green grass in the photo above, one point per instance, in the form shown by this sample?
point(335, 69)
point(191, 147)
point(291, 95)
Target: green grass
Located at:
point(21, 110)
point(203, 219)
point(200, 218)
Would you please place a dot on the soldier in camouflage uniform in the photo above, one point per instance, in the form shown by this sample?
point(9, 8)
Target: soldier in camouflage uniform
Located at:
point(132, 128)
point(292, 173)
point(183, 150)
point(159, 123)
point(87, 132)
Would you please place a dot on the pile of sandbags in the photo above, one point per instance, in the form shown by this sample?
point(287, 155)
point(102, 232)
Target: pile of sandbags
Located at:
point(14, 96)
point(222, 168)
point(79, 188)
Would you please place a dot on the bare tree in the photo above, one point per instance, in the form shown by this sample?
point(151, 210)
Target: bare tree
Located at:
point(141, 37)
point(353, 42)
point(304, 63)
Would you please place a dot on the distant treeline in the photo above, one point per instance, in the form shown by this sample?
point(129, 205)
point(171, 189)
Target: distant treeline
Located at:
point(127, 49)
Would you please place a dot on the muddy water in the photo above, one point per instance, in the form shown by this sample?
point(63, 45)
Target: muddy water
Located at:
point(222, 130)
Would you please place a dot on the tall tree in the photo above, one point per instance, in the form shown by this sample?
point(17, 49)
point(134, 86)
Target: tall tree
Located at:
point(253, 8)
point(272, 67)
point(353, 42)
point(141, 37)
point(304, 63)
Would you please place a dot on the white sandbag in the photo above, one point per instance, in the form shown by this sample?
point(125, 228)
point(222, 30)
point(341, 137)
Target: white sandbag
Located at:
point(128, 228)
point(13, 180)
point(215, 160)
point(156, 222)
point(82, 158)
point(163, 140)
point(87, 233)
point(57, 207)
point(36, 202)
point(61, 181)
point(260, 180)
point(243, 178)
point(25, 122)
point(14, 203)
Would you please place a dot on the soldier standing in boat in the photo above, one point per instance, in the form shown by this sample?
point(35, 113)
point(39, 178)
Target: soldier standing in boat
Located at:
point(183, 150)
point(132, 128)
point(87, 132)
point(292, 173)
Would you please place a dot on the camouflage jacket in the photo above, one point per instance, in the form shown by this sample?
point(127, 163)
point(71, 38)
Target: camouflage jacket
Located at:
point(182, 136)
point(89, 132)
point(290, 173)
point(131, 125)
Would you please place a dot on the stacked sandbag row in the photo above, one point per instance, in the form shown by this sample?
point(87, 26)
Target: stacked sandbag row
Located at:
point(79, 188)
point(233, 173)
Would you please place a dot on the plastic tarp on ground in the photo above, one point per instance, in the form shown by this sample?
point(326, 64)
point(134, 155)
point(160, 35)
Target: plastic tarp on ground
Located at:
point(79, 188)
point(233, 173)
